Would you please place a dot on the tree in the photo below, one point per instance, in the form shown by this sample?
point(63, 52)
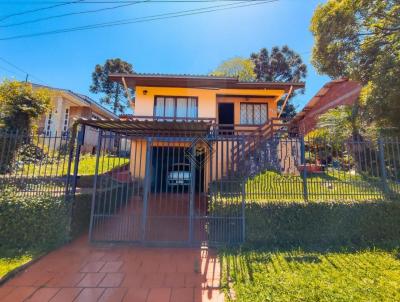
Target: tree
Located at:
point(337, 124)
point(360, 39)
point(238, 67)
point(115, 94)
point(341, 124)
point(280, 65)
point(20, 105)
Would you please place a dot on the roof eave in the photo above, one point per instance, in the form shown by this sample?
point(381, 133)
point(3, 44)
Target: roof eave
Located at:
point(134, 80)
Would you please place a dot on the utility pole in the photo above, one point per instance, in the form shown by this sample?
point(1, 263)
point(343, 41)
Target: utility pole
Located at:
point(26, 78)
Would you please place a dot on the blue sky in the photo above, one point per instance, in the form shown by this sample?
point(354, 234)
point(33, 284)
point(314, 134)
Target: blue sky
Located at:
point(191, 44)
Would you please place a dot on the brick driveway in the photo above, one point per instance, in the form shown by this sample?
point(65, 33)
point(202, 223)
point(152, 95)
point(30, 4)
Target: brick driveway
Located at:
point(81, 272)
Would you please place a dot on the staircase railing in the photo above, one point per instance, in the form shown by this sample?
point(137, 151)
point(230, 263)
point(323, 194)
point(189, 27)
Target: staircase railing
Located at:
point(263, 132)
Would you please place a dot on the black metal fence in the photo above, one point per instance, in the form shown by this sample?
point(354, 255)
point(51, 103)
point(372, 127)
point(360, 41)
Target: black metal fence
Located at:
point(185, 189)
point(35, 164)
point(277, 168)
point(314, 169)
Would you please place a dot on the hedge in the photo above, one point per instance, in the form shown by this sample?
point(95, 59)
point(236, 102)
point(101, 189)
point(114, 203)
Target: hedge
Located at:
point(41, 221)
point(322, 224)
point(80, 214)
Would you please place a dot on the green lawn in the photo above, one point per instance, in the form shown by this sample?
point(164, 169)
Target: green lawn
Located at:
point(331, 185)
point(11, 259)
point(87, 166)
point(313, 276)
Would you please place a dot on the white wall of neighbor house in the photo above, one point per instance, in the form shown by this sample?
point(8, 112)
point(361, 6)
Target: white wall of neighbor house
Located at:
point(57, 120)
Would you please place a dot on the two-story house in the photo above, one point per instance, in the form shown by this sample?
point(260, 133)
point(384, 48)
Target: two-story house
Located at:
point(194, 143)
point(236, 107)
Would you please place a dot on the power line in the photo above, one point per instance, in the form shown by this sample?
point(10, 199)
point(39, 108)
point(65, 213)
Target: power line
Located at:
point(147, 18)
point(120, 4)
point(38, 9)
point(8, 70)
point(21, 70)
point(115, 1)
point(75, 13)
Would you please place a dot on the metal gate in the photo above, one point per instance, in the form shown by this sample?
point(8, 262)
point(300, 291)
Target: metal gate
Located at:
point(179, 188)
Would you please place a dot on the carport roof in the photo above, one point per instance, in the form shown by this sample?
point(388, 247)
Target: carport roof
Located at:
point(151, 126)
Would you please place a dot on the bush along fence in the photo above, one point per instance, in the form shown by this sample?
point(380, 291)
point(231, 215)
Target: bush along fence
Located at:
point(37, 207)
point(39, 174)
point(322, 224)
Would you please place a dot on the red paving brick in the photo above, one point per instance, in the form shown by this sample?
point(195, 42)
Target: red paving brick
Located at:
point(91, 280)
point(66, 280)
point(136, 295)
point(182, 295)
point(111, 267)
point(19, 294)
point(83, 272)
point(113, 295)
point(43, 294)
point(92, 267)
point(66, 294)
point(159, 295)
point(4, 291)
point(90, 295)
point(112, 280)
point(174, 280)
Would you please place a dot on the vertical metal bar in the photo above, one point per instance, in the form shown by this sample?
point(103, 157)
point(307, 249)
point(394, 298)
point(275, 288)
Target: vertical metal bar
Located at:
point(147, 179)
point(70, 158)
point(304, 172)
point(243, 210)
point(99, 139)
point(382, 164)
point(81, 137)
point(192, 192)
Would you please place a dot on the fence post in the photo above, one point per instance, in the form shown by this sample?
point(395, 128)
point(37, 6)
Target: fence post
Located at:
point(244, 210)
point(192, 192)
point(80, 141)
point(71, 145)
point(304, 167)
point(96, 173)
point(146, 189)
point(381, 148)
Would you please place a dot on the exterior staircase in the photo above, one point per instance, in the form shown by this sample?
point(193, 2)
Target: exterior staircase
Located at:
point(266, 150)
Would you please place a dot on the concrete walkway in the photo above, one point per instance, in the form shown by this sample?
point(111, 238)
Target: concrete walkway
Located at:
point(83, 272)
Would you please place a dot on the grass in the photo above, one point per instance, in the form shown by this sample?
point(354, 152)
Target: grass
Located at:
point(331, 185)
point(87, 166)
point(11, 259)
point(295, 275)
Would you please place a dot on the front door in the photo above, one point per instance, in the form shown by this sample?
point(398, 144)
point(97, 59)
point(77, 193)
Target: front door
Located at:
point(226, 116)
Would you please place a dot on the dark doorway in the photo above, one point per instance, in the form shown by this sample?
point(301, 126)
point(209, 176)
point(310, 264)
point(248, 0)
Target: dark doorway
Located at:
point(226, 117)
point(226, 114)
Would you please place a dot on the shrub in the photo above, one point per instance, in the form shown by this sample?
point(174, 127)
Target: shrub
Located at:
point(80, 214)
point(29, 221)
point(322, 224)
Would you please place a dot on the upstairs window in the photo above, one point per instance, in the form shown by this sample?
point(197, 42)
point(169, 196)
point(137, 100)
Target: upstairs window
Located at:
point(175, 107)
point(253, 113)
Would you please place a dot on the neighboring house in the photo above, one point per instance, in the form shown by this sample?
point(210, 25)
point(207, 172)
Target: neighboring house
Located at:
point(333, 94)
point(68, 106)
